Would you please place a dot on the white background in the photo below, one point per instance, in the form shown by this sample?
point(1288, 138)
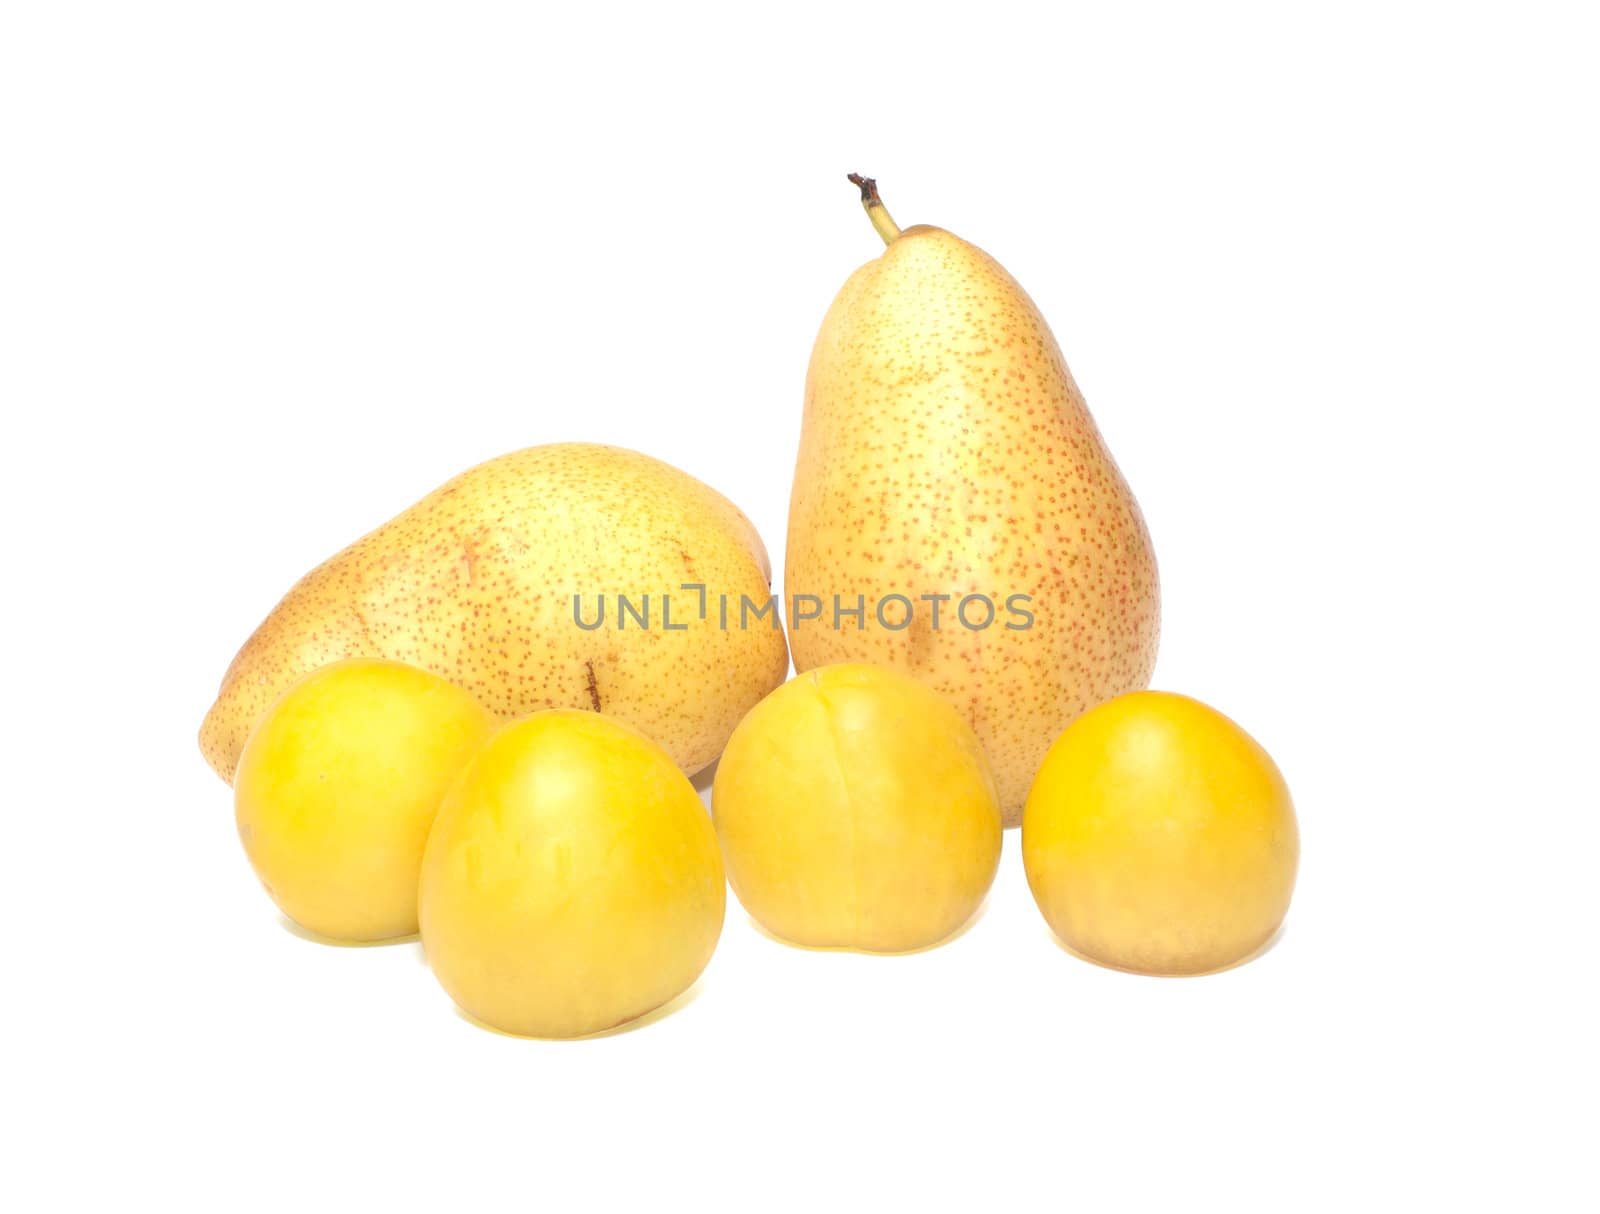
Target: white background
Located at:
point(271, 272)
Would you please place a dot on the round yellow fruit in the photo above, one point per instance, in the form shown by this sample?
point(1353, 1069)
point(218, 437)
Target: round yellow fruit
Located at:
point(1160, 837)
point(573, 881)
point(856, 810)
point(338, 786)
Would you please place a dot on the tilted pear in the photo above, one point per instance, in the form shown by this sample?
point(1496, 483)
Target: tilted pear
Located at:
point(476, 582)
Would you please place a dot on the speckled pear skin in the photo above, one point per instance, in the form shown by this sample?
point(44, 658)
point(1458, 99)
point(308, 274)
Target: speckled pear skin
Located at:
point(946, 450)
point(475, 583)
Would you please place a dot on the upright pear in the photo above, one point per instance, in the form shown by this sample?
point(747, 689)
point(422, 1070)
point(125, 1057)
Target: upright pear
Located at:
point(947, 458)
point(509, 582)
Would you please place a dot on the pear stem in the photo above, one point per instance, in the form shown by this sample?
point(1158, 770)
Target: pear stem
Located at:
point(876, 211)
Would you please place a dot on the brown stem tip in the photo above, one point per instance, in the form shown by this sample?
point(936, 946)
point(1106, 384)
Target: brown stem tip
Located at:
point(869, 189)
point(876, 211)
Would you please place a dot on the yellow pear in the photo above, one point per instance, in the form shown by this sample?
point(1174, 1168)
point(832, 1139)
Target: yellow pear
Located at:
point(566, 576)
point(956, 515)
